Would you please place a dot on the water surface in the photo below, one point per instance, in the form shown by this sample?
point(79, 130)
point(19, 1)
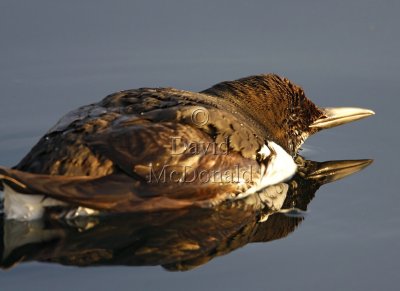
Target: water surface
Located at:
point(57, 56)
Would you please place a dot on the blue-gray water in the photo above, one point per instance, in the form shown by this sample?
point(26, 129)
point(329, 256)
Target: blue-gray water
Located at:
point(56, 56)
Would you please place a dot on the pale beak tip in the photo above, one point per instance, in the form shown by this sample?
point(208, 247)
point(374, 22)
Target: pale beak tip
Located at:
point(338, 116)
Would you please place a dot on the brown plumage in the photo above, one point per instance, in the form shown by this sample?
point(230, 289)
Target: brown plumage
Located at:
point(278, 105)
point(253, 109)
point(119, 140)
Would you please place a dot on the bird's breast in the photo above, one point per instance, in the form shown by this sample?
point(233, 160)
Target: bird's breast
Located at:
point(276, 166)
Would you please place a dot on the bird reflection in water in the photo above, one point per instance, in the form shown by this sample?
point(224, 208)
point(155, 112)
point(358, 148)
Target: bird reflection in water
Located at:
point(176, 240)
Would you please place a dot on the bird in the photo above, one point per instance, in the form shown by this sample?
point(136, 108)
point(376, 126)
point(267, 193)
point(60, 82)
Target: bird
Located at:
point(152, 149)
point(178, 241)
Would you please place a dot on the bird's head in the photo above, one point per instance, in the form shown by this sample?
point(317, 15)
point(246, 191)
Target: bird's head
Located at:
point(282, 108)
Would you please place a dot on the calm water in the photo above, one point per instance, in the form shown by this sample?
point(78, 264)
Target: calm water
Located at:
point(57, 56)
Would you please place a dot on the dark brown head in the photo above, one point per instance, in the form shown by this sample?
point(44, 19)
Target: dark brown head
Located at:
point(282, 108)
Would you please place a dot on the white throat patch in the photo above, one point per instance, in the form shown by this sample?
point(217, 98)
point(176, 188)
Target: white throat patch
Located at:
point(279, 168)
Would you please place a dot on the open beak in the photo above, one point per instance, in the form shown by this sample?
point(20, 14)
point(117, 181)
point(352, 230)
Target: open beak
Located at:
point(327, 172)
point(341, 115)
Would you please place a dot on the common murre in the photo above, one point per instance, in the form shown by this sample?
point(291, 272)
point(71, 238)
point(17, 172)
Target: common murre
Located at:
point(101, 157)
